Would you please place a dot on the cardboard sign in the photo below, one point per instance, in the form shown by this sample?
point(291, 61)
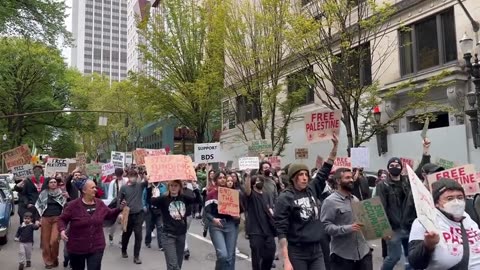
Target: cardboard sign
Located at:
point(118, 159)
point(248, 163)
point(56, 165)
point(18, 156)
point(82, 162)
point(258, 147)
point(424, 204)
point(125, 213)
point(321, 125)
point(228, 202)
point(128, 158)
point(94, 168)
point(371, 214)
point(342, 162)
point(464, 175)
point(108, 169)
point(276, 162)
point(360, 157)
point(446, 164)
point(23, 171)
point(140, 153)
point(170, 167)
point(425, 129)
point(207, 152)
point(301, 153)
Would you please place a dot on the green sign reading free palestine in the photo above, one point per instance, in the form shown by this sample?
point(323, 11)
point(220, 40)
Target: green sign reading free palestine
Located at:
point(371, 214)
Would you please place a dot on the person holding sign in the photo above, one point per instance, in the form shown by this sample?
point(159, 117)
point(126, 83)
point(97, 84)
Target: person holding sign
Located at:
point(297, 216)
point(456, 244)
point(173, 206)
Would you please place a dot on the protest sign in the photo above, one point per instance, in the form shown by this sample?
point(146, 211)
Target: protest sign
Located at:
point(139, 155)
point(228, 201)
point(124, 221)
point(276, 162)
point(128, 158)
point(342, 162)
point(207, 152)
point(82, 161)
point(301, 153)
point(56, 165)
point(94, 168)
point(18, 156)
point(371, 214)
point(464, 175)
point(118, 159)
point(108, 169)
point(169, 167)
point(424, 205)
point(258, 147)
point(425, 129)
point(248, 163)
point(22, 171)
point(446, 164)
point(321, 125)
point(360, 157)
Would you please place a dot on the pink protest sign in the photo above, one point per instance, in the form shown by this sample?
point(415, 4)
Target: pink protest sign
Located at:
point(342, 162)
point(464, 175)
point(169, 167)
point(321, 125)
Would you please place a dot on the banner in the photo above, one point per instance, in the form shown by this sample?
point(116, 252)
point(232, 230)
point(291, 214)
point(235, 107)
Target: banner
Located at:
point(17, 156)
point(94, 168)
point(248, 163)
point(360, 157)
point(22, 172)
point(371, 214)
point(301, 153)
point(464, 175)
point(446, 164)
point(118, 159)
point(82, 162)
point(276, 162)
point(258, 147)
point(321, 125)
point(342, 162)
point(108, 169)
point(406, 161)
point(56, 165)
point(228, 202)
point(207, 153)
point(169, 167)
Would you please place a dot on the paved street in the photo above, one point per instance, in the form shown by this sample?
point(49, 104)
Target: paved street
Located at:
point(202, 253)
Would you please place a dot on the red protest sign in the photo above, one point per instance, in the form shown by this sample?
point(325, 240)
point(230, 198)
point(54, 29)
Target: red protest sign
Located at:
point(342, 162)
point(17, 156)
point(464, 175)
point(228, 202)
point(321, 125)
point(169, 167)
point(405, 162)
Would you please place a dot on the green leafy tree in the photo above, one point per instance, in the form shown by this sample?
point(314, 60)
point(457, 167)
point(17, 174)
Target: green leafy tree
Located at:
point(64, 146)
point(184, 49)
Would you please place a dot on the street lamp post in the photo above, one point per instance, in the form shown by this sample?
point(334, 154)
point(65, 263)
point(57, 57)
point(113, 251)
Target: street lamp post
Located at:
point(473, 96)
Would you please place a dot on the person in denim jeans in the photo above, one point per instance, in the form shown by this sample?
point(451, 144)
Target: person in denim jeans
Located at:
point(223, 229)
point(154, 216)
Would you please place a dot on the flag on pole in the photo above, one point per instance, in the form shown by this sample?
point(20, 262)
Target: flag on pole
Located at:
point(34, 149)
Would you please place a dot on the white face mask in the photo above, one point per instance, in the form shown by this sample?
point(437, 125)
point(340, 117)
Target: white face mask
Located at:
point(456, 208)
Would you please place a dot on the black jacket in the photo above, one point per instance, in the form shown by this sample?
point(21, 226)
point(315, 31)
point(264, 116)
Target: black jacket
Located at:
point(25, 233)
point(295, 217)
point(361, 189)
point(174, 212)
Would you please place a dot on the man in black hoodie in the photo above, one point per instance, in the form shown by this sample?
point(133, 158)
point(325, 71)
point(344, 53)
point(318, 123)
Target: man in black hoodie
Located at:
point(297, 216)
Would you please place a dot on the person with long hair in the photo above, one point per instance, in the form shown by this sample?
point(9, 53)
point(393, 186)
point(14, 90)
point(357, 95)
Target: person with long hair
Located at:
point(223, 228)
point(50, 205)
point(84, 216)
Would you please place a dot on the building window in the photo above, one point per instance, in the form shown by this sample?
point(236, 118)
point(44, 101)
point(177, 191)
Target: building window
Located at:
point(441, 120)
point(246, 109)
point(428, 43)
point(357, 69)
point(302, 80)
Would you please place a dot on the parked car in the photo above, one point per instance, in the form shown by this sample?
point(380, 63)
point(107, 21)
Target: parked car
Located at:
point(6, 208)
point(11, 182)
point(5, 187)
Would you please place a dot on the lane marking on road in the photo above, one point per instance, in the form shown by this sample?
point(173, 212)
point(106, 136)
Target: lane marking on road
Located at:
point(201, 238)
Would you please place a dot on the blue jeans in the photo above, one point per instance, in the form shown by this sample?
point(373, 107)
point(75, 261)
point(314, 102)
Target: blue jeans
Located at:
point(225, 241)
point(394, 249)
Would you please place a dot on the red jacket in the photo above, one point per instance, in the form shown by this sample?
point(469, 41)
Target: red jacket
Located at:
point(85, 234)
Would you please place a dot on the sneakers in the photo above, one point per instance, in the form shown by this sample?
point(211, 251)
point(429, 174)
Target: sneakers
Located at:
point(110, 239)
point(153, 235)
point(137, 260)
point(148, 245)
point(237, 251)
point(186, 254)
point(124, 254)
point(21, 266)
point(29, 264)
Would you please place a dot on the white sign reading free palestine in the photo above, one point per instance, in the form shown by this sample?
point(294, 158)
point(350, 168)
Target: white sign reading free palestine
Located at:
point(207, 153)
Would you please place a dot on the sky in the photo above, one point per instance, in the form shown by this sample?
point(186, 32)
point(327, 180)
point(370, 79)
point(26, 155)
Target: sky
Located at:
point(68, 22)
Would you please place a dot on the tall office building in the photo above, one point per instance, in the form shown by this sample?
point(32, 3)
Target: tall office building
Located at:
point(100, 31)
point(137, 11)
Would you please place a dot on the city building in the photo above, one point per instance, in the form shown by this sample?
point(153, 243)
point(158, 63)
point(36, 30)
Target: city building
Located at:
point(432, 46)
point(99, 28)
point(137, 11)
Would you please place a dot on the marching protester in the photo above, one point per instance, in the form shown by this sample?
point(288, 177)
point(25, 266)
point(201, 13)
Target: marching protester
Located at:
point(297, 216)
point(270, 187)
point(153, 218)
point(50, 205)
point(173, 206)
point(361, 189)
point(349, 249)
point(455, 244)
point(73, 192)
point(85, 241)
point(24, 236)
point(113, 194)
point(32, 188)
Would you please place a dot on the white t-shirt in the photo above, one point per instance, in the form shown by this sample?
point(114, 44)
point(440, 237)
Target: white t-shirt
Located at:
point(449, 251)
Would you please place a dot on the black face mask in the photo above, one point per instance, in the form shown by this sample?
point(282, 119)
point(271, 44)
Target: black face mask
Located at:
point(259, 185)
point(395, 171)
point(266, 172)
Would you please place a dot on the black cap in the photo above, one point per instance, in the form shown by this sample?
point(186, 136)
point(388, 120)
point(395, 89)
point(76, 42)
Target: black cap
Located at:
point(395, 159)
point(430, 168)
point(442, 185)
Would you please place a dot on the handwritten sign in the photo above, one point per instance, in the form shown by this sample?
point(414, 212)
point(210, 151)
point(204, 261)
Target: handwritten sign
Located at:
point(128, 158)
point(423, 200)
point(321, 125)
point(94, 168)
point(247, 163)
point(301, 153)
point(170, 167)
point(108, 169)
point(56, 165)
point(140, 153)
point(276, 162)
point(258, 147)
point(23, 171)
point(118, 159)
point(371, 214)
point(446, 164)
point(82, 161)
point(228, 202)
point(360, 157)
point(342, 162)
point(18, 156)
point(464, 175)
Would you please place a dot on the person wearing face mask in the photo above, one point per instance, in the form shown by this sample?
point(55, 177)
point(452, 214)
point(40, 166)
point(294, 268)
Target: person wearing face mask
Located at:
point(397, 200)
point(132, 193)
point(349, 249)
point(456, 244)
point(269, 186)
point(259, 225)
point(31, 190)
